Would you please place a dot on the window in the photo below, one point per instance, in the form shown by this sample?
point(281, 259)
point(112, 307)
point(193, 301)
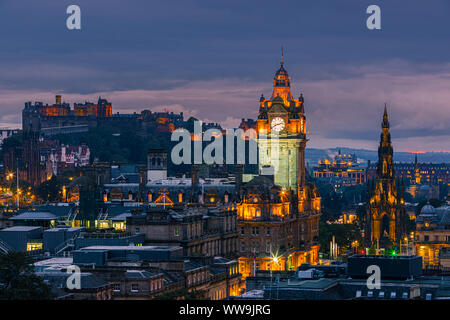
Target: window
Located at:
point(393, 295)
point(426, 238)
point(405, 295)
point(242, 246)
point(116, 287)
point(31, 246)
point(134, 287)
point(428, 296)
point(358, 293)
point(370, 294)
point(267, 231)
point(381, 294)
point(176, 231)
point(242, 231)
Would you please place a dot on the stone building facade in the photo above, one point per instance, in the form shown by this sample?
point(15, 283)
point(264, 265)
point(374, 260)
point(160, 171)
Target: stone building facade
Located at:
point(278, 211)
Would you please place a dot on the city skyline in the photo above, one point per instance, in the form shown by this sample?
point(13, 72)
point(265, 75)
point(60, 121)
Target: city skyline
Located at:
point(229, 58)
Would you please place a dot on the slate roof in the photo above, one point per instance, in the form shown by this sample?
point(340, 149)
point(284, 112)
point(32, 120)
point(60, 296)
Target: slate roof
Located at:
point(139, 274)
point(21, 228)
point(59, 280)
point(35, 215)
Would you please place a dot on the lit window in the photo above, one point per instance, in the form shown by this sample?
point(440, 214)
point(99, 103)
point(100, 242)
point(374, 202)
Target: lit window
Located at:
point(32, 246)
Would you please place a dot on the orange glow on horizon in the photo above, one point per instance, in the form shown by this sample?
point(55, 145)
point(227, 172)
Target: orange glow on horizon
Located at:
point(424, 151)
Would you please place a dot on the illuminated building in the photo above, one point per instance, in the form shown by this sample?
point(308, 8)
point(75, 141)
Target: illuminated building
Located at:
point(282, 133)
point(432, 233)
point(422, 179)
point(386, 207)
point(200, 231)
point(103, 108)
point(279, 211)
point(344, 166)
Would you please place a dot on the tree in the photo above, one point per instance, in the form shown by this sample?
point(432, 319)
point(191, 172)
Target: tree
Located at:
point(49, 190)
point(344, 235)
point(13, 141)
point(17, 280)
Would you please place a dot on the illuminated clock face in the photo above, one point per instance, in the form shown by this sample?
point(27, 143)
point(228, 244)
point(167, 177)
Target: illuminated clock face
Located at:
point(277, 124)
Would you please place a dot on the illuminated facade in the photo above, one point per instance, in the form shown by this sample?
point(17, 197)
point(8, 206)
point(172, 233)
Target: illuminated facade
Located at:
point(103, 108)
point(344, 166)
point(282, 133)
point(432, 234)
point(386, 207)
point(278, 215)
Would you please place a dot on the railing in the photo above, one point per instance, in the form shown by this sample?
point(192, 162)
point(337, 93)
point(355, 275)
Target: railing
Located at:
point(72, 214)
point(103, 215)
point(105, 235)
point(5, 247)
point(70, 243)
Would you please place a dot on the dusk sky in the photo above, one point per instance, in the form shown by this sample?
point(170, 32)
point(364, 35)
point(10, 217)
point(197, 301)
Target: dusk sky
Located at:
point(212, 59)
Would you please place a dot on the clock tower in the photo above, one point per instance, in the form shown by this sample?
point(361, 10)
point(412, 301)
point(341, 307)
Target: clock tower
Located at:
point(278, 218)
point(282, 134)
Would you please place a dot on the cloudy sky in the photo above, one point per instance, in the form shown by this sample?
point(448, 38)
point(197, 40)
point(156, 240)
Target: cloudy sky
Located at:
point(213, 58)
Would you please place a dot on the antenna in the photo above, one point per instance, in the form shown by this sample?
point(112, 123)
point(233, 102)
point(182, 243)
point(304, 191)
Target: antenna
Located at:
point(282, 56)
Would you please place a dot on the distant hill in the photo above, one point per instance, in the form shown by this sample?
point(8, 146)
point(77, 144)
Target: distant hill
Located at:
point(313, 155)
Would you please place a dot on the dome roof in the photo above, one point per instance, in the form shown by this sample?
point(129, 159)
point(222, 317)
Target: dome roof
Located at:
point(428, 209)
point(282, 71)
point(281, 78)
